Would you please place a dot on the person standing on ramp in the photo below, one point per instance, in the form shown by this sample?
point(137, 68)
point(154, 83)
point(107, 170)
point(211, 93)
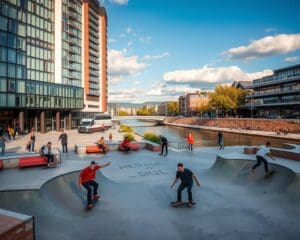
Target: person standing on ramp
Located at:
point(261, 157)
point(164, 145)
point(87, 179)
point(187, 178)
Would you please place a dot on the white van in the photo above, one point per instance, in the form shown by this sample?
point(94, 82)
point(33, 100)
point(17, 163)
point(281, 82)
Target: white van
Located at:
point(95, 123)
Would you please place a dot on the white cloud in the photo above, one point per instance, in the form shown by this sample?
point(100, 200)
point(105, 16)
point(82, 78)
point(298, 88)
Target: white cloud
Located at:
point(158, 56)
point(291, 59)
point(128, 30)
point(267, 46)
point(126, 95)
point(112, 40)
point(268, 30)
point(119, 2)
point(145, 39)
point(213, 75)
point(120, 65)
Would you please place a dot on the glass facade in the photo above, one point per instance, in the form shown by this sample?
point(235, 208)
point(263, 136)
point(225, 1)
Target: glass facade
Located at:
point(94, 53)
point(278, 94)
point(71, 46)
point(27, 59)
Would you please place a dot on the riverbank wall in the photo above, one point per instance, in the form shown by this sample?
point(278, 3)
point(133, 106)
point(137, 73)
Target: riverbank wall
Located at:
point(267, 125)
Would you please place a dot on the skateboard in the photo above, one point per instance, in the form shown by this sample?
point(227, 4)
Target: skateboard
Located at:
point(183, 204)
point(270, 173)
point(94, 202)
point(51, 166)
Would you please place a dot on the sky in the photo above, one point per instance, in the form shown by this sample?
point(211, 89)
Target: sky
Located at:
point(161, 49)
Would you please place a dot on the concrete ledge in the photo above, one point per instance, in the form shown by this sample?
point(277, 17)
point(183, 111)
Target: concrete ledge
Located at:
point(289, 151)
point(81, 149)
point(16, 226)
point(250, 150)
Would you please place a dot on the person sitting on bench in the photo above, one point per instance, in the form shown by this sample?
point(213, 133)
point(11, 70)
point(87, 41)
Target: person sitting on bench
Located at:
point(47, 152)
point(126, 144)
point(102, 145)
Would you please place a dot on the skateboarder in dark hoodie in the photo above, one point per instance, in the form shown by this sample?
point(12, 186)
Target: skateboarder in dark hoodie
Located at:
point(87, 179)
point(187, 178)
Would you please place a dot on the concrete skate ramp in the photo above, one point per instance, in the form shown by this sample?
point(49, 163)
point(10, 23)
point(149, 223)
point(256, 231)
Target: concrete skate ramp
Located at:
point(230, 205)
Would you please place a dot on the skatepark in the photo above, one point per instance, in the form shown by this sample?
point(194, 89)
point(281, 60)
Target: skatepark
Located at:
point(135, 197)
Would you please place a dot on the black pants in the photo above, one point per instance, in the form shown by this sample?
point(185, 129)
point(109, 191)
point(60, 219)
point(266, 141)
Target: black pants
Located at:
point(49, 158)
point(65, 148)
point(88, 186)
point(101, 146)
point(259, 160)
point(164, 146)
point(190, 147)
point(181, 187)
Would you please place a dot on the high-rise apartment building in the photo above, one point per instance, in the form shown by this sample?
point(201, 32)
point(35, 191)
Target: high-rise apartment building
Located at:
point(52, 62)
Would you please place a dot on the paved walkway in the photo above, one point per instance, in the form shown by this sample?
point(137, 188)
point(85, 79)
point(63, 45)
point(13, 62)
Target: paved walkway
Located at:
point(19, 144)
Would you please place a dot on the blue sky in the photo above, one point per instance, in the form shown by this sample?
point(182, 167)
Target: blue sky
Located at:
point(160, 49)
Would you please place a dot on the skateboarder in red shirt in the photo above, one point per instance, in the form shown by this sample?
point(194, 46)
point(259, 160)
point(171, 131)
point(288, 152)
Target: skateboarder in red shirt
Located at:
point(87, 179)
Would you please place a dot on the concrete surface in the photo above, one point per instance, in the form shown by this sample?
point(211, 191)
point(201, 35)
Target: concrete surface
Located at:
point(231, 203)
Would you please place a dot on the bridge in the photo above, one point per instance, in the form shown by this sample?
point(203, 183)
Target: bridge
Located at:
point(146, 118)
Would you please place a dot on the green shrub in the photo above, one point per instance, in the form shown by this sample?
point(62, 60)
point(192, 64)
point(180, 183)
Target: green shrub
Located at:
point(125, 128)
point(130, 136)
point(152, 137)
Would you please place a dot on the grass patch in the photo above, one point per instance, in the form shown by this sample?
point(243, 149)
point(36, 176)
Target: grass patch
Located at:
point(130, 136)
point(125, 128)
point(152, 137)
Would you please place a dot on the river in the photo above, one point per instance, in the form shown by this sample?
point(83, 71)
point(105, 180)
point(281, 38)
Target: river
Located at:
point(203, 138)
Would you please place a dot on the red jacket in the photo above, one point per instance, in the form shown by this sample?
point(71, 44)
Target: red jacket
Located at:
point(190, 139)
point(126, 143)
point(88, 174)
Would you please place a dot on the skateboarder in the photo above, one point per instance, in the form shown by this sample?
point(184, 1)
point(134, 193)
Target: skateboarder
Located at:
point(187, 177)
point(87, 179)
point(164, 145)
point(221, 140)
point(46, 151)
point(261, 156)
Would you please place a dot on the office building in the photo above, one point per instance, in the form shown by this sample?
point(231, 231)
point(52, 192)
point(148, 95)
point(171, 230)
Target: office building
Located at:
point(191, 103)
point(43, 77)
point(276, 96)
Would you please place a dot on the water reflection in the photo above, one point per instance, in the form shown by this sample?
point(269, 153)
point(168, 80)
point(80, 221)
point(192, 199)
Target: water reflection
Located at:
point(203, 138)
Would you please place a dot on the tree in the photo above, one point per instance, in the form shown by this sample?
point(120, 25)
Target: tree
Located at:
point(173, 108)
point(144, 111)
point(227, 98)
point(203, 106)
point(123, 113)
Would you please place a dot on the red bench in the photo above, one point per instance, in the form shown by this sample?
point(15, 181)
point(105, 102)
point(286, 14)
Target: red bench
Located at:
point(95, 149)
point(133, 146)
point(32, 161)
point(1, 164)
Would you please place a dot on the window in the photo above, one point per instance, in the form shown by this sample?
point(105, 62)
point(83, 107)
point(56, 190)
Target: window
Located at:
point(11, 87)
point(11, 72)
point(11, 56)
point(3, 38)
point(21, 58)
point(3, 69)
point(3, 54)
point(21, 43)
point(12, 26)
point(20, 87)
point(21, 30)
point(20, 73)
point(12, 41)
point(11, 100)
point(3, 85)
point(2, 99)
point(3, 23)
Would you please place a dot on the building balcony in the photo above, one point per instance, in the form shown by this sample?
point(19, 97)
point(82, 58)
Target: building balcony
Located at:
point(273, 104)
point(273, 81)
point(274, 93)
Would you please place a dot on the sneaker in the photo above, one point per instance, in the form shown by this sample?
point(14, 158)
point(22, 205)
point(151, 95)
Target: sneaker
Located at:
point(89, 206)
point(96, 197)
point(190, 204)
point(177, 203)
